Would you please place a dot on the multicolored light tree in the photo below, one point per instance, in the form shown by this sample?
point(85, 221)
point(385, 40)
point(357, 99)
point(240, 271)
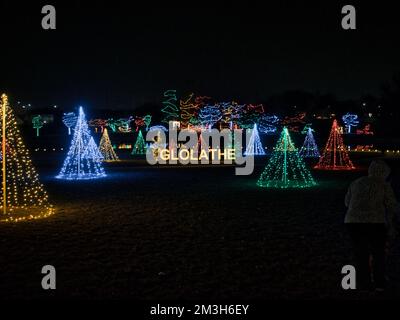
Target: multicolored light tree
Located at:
point(170, 109)
point(335, 155)
point(285, 169)
point(37, 123)
point(79, 163)
point(254, 147)
point(106, 148)
point(309, 148)
point(69, 119)
point(140, 145)
point(22, 195)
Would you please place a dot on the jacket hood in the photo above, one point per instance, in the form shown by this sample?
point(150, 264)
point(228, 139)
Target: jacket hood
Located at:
point(378, 169)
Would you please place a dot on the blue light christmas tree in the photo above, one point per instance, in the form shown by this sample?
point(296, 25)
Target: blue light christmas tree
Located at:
point(254, 147)
point(309, 148)
point(285, 169)
point(82, 161)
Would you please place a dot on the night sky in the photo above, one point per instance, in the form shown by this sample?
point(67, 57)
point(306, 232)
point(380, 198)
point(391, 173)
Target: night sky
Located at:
point(119, 57)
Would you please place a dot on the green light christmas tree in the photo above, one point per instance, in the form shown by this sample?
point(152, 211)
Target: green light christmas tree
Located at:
point(140, 145)
point(286, 169)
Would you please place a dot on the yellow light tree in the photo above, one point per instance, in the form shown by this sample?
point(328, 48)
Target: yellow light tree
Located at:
point(22, 195)
point(106, 148)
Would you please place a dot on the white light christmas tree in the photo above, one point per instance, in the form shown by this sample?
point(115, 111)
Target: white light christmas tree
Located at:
point(81, 162)
point(309, 148)
point(254, 147)
point(92, 151)
point(106, 148)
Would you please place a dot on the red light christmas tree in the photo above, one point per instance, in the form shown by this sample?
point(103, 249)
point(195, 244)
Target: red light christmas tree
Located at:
point(335, 156)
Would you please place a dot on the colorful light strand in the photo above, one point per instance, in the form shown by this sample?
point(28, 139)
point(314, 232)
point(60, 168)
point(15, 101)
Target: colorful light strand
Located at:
point(188, 108)
point(209, 115)
point(268, 123)
point(170, 109)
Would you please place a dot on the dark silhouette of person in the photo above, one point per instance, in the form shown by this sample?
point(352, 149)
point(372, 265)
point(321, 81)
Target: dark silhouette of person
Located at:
point(370, 218)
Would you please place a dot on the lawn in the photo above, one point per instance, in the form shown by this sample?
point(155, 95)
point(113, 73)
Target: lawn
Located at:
point(157, 233)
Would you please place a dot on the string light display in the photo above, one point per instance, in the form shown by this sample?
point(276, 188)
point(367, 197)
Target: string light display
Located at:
point(237, 110)
point(188, 108)
point(227, 110)
point(350, 120)
point(142, 122)
point(79, 164)
point(106, 148)
point(309, 148)
point(37, 123)
point(285, 169)
point(120, 125)
point(254, 147)
point(335, 155)
point(140, 145)
point(22, 195)
point(139, 123)
point(268, 124)
point(250, 114)
point(170, 110)
point(69, 119)
point(97, 123)
point(366, 130)
point(147, 121)
point(209, 115)
point(296, 122)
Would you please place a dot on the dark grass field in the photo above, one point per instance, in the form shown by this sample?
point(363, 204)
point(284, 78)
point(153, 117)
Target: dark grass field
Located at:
point(164, 233)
